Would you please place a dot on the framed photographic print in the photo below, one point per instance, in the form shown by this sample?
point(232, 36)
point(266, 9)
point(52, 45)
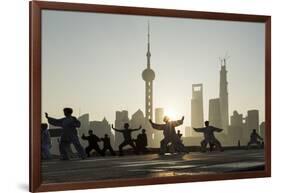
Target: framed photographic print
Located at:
point(123, 96)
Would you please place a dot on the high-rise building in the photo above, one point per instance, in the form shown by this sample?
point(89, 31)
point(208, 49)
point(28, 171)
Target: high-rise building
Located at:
point(100, 128)
point(148, 76)
point(197, 117)
point(158, 135)
point(215, 113)
point(223, 95)
point(252, 122)
point(235, 130)
point(262, 129)
point(137, 120)
point(121, 117)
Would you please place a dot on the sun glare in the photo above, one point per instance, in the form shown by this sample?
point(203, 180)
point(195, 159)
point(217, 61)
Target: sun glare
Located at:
point(171, 114)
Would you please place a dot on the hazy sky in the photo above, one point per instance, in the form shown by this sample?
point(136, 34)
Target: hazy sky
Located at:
point(93, 63)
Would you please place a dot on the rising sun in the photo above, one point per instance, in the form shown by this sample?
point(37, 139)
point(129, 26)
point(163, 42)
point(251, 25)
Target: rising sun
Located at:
point(171, 114)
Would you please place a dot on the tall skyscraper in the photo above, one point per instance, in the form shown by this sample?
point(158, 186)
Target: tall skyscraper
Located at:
point(158, 135)
point(197, 117)
point(235, 129)
point(121, 117)
point(214, 112)
point(148, 76)
point(262, 129)
point(252, 122)
point(224, 96)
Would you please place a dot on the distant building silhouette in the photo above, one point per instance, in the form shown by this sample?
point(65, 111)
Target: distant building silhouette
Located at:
point(235, 130)
point(223, 95)
point(215, 113)
point(100, 128)
point(252, 122)
point(188, 131)
point(197, 117)
point(121, 117)
point(159, 116)
point(137, 120)
point(262, 129)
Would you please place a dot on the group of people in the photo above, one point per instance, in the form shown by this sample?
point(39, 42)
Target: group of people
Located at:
point(172, 139)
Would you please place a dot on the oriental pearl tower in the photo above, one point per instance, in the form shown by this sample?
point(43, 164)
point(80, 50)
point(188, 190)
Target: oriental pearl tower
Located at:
point(148, 76)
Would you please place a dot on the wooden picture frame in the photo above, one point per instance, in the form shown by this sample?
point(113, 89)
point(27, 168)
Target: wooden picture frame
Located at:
point(36, 8)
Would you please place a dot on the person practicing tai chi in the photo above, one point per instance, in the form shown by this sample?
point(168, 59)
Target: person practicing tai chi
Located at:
point(141, 142)
point(45, 142)
point(93, 143)
point(107, 145)
point(170, 135)
point(127, 137)
point(209, 137)
point(255, 137)
point(69, 133)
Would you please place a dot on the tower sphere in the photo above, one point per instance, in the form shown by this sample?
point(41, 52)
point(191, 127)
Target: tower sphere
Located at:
point(148, 75)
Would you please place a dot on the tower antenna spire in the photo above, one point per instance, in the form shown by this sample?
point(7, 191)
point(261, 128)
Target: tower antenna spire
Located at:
point(148, 54)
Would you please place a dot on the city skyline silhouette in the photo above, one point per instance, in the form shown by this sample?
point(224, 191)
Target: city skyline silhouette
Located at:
point(99, 63)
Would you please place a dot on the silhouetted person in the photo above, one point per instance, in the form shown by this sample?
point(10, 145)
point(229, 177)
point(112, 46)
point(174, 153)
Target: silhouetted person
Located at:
point(45, 142)
point(170, 135)
point(107, 145)
point(209, 137)
point(141, 142)
point(255, 139)
point(93, 143)
point(127, 137)
point(179, 134)
point(69, 133)
point(239, 144)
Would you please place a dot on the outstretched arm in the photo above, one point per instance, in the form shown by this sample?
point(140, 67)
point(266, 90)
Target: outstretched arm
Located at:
point(199, 129)
point(217, 129)
point(156, 126)
point(115, 128)
point(259, 137)
point(84, 137)
point(137, 128)
point(53, 121)
point(178, 122)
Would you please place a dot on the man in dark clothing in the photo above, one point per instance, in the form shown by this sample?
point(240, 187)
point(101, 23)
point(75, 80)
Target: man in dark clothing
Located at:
point(69, 133)
point(93, 143)
point(255, 139)
point(127, 137)
point(107, 145)
point(170, 135)
point(141, 142)
point(209, 137)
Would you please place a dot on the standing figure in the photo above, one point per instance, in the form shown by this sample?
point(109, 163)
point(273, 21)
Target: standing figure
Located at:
point(170, 135)
point(107, 145)
point(179, 134)
point(127, 138)
point(69, 133)
point(93, 143)
point(141, 142)
point(209, 137)
point(255, 137)
point(45, 142)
